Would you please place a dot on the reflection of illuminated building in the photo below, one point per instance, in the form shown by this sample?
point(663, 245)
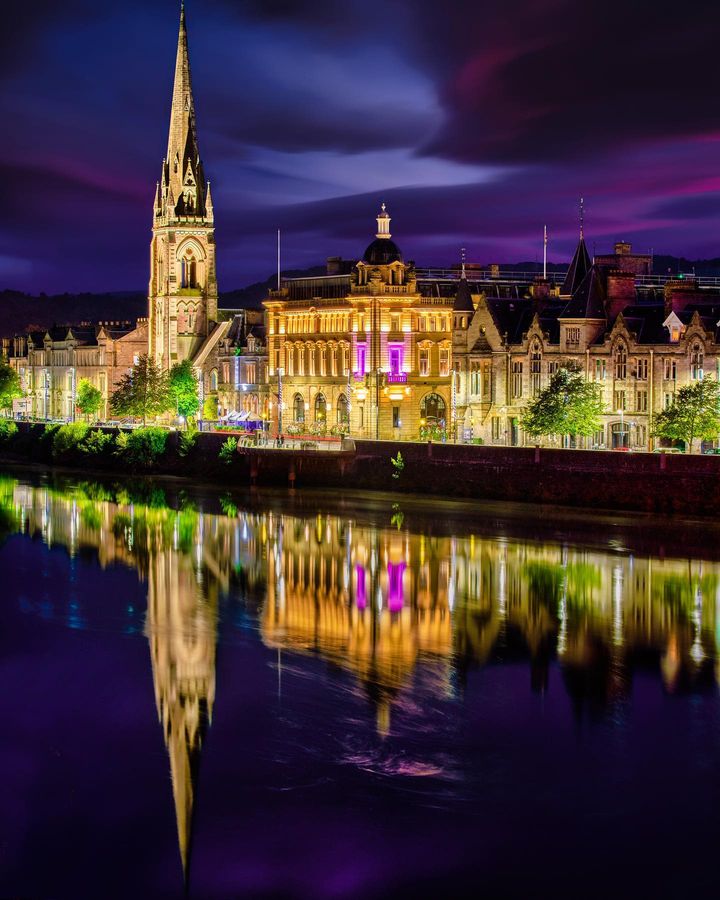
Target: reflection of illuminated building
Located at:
point(380, 603)
point(181, 629)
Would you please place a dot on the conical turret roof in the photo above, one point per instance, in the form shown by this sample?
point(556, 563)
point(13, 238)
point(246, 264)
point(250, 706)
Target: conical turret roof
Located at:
point(579, 267)
point(463, 298)
point(588, 300)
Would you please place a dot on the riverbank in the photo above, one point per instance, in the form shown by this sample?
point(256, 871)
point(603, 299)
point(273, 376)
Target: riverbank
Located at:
point(644, 482)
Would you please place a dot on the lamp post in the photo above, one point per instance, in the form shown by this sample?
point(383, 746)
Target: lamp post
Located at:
point(621, 413)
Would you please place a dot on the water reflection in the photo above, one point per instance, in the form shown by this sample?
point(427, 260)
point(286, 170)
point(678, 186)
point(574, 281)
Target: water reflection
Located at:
point(377, 602)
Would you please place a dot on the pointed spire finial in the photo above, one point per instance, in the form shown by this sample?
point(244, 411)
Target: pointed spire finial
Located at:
point(582, 218)
point(462, 259)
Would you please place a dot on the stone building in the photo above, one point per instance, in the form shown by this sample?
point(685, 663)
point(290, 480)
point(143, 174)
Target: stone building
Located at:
point(362, 349)
point(51, 364)
point(183, 295)
point(641, 345)
point(235, 372)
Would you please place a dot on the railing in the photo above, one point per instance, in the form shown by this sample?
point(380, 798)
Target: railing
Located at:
point(397, 377)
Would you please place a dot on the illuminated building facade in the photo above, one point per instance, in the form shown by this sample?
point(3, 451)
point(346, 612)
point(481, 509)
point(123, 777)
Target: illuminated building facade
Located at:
point(640, 343)
point(52, 364)
point(361, 350)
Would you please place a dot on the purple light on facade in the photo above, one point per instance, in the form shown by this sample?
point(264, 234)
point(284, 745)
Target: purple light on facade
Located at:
point(360, 593)
point(395, 586)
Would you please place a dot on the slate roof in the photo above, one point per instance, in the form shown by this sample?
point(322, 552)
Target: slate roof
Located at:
point(463, 298)
point(579, 267)
point(588, 299)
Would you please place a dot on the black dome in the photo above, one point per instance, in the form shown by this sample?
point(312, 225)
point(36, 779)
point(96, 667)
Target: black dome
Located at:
point(382, 252)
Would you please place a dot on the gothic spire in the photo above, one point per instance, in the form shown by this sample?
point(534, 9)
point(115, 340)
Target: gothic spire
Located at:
point(182, 116)
point(184, 168)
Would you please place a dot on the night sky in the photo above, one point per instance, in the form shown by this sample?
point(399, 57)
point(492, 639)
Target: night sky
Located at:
point(475, 125)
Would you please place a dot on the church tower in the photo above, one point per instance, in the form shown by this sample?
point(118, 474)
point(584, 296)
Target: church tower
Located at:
point(183, 284)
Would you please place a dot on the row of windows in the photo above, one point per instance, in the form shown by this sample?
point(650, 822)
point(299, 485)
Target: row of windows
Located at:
point(340, 323)
point(300, 407)
point(599, 371)
point(325, 361)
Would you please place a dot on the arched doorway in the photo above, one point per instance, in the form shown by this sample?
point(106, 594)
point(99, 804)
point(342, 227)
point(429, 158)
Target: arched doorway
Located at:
point(620, 435)
point(434, 410)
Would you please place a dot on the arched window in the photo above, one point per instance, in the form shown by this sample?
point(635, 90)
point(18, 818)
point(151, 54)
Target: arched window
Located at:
point(697, 361)
point(621, 362)
point(343, 410)
point(189, 271)
point(320, 408)
point(214, 380)
point(433, 409)
point(298, 408)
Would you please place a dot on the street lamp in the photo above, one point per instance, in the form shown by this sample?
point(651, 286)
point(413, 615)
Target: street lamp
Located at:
point(621, 413)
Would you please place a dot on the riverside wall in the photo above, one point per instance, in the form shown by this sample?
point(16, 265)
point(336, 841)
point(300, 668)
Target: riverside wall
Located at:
point(647, 482)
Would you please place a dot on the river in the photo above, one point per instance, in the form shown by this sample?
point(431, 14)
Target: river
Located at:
point(330, 695)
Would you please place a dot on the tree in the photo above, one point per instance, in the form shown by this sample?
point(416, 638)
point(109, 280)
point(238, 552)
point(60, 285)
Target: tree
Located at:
point(568, 405)
point(9, 385)
point(89, 398)
point(184, 389)
point(210, 408)
point(694, 414)
point(143, 392)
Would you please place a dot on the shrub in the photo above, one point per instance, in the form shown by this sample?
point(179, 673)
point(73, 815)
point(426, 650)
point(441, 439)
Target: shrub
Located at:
point(143, 447)
point(228, 451)
point(398, 464)
point(121, 443)
point(98, 443)
point(187, 441)
point(68, 438)
point(8, 430)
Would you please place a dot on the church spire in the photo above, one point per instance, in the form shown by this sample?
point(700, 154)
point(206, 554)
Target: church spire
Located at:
point(182, 116)
point(184, 169)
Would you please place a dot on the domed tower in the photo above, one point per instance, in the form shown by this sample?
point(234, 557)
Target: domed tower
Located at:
point(183, 294)
point(382, 262)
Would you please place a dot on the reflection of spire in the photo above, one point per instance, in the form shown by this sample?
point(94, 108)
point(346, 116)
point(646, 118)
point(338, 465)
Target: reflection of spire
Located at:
point(182, 631)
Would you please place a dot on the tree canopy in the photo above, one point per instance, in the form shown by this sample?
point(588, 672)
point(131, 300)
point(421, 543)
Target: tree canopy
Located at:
point(89, 398)
point(9, 385)
point(143, 392)
point(184, 389)
point(693, 415)
point(568, 405)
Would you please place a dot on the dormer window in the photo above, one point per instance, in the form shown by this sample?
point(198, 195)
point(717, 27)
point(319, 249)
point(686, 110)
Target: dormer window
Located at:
point(572, 335)
point(675, 327)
